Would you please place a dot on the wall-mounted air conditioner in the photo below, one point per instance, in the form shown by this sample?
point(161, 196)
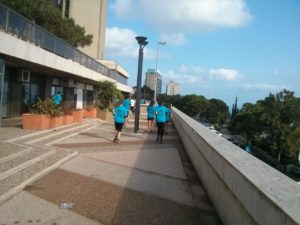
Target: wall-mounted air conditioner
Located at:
point(23, 76)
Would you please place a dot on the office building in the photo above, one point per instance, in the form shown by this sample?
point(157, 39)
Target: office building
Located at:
point(151, 77)
point(90, 14)
point(172, 88)
point(35, 63)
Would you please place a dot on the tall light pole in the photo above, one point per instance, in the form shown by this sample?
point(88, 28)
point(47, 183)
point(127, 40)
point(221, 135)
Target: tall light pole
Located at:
point(142, 42)
point(155, 78)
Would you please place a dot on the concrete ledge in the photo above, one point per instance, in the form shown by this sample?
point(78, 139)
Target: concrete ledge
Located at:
point(243, 189)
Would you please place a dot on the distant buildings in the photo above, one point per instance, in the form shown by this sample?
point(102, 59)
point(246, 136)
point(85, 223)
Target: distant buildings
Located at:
point(172, 88)
point(151, 76)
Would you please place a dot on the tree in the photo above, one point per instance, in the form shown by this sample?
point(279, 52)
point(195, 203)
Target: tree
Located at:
point(192, 105)
point(273, 124)
point(45, 14)
point(106, 92)
point(218, 112)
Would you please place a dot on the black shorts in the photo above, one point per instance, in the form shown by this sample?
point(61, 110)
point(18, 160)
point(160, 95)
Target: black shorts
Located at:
point(150, 118)
point(119, 126)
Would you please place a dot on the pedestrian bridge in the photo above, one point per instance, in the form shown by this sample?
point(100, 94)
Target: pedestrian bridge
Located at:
point(76, 175)
point(242, 189)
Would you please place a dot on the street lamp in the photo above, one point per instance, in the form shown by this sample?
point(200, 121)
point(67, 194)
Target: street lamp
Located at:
point(142, 42)
point(155, 78)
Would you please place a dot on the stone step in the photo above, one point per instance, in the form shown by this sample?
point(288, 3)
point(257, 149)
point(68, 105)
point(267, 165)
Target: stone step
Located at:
point(38, 134)
point(19, 163)
point(60, 135)
point(13, 183)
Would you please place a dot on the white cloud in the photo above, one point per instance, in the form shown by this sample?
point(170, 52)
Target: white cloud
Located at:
point(264, 87)
point(174, 39)
point(178, 17)
point(224, 74)
point(122, 42)
point(182, 78)
point(197, 75)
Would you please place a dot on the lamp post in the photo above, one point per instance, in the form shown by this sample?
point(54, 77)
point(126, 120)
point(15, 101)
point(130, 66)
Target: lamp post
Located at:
point(155, 78)
point(142, 42)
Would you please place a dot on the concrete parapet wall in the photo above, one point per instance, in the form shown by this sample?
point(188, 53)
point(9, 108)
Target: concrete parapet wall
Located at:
point(243, 189)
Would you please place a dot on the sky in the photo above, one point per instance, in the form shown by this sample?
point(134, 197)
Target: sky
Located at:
point(220, 49)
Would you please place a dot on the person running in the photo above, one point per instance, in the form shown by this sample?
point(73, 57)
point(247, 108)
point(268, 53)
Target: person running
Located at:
point(126, 104)
point(150, 116)
point(132, 105)
point(160, 121)
point(168, 117)
point(119, 113)
point(57, 99)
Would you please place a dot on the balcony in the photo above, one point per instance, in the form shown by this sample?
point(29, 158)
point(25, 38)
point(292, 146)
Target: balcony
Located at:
point(16, 25)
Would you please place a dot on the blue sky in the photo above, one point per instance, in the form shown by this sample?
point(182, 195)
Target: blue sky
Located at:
point(215, 48)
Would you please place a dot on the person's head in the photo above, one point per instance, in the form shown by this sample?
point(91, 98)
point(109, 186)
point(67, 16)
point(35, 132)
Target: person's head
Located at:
point(152, 103)
point(160, 103)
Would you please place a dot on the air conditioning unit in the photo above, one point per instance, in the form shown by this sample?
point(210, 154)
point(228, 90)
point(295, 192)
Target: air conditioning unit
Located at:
point(23, 76)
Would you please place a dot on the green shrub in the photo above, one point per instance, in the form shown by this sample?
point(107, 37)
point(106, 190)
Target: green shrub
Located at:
point(45, 107)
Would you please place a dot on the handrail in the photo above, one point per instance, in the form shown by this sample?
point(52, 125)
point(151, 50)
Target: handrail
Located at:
point(13, 23)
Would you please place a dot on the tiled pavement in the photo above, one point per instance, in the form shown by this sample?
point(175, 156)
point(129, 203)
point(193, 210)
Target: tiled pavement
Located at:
point(135, 182)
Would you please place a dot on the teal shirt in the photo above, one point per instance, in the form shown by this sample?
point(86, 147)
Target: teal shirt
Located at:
point(168, 115)
point(119, 114)
point(57, 99)
point(151, 111)
point(161, 114)
point(126, 103)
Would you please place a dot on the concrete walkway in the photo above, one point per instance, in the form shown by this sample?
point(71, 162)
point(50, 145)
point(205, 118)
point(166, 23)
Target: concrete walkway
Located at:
point(135, 182)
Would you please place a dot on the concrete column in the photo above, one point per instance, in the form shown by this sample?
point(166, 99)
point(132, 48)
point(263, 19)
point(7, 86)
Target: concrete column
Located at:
point(2, 69)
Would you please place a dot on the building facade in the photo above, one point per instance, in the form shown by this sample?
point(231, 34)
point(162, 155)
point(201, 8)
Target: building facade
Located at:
point(90, 14)
point(153, 79)
point(172, 88)
point(34, 63)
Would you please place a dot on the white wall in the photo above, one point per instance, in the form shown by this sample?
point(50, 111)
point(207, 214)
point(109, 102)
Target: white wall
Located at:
point(12, 46)
point(243, 189)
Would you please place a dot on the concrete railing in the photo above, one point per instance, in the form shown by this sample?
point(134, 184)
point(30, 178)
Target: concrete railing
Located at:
point(243, 189)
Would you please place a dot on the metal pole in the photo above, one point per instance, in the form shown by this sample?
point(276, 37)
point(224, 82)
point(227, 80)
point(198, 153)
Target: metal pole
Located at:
point(138, 90)
point(2, 69)
point(155, 76)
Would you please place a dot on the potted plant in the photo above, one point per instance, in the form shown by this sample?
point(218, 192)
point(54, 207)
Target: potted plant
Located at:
point(106, 93)
point(68, 116)
point(90, 111)
point(41, 114)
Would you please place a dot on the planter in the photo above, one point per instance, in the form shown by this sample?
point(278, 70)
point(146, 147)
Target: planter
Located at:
point(56, 121)
point(68, 119)
point(36, 121)
point(78, 115)
point(106, 115)
point(90, 113)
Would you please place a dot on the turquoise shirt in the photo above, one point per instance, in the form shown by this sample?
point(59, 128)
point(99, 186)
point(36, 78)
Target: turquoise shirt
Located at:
point(151, 111)
point(161, 114)
point(126, 103)
point(119, 114)
point(57, 99)
point(168, 114)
